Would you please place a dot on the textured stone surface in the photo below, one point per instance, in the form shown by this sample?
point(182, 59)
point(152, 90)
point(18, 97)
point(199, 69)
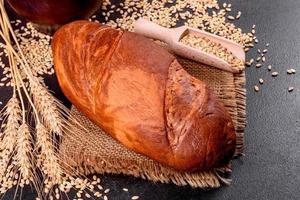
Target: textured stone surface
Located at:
point(271, 167)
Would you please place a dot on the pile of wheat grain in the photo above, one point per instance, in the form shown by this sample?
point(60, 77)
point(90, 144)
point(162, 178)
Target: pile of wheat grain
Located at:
point(203, 14)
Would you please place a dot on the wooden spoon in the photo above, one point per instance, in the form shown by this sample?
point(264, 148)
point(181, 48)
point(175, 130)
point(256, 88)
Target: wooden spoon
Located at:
point(173, 36)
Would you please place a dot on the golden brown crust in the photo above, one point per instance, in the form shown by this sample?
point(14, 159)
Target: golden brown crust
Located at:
point(199, 129)
point(139, 94)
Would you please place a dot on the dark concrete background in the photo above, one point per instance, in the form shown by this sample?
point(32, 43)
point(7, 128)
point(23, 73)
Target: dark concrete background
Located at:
point(271, 166)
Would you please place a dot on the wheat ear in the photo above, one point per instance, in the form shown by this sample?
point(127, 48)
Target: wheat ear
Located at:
point(8, 144)
point(24, 154)
point(47, 159)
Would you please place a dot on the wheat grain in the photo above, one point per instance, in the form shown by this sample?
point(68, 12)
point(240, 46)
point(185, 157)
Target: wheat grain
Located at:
point(192, 13)
point(231, 17)
point(238, 15)
point(213, 48)
point(87, 195)
point(258, 65)
point(274, 74)
point(270, 67)
point(97, 194)
point(261, 81)
point(37, 51)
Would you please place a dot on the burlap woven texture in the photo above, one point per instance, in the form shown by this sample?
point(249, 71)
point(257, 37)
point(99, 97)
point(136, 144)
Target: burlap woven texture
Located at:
point(97, 152)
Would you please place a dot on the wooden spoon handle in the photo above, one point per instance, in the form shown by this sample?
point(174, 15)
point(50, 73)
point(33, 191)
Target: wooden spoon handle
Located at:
point(152, 30)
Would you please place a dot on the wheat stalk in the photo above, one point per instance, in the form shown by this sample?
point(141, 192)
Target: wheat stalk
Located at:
point(19, 153)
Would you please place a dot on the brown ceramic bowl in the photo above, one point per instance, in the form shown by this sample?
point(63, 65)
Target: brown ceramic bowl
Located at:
point(54, 12)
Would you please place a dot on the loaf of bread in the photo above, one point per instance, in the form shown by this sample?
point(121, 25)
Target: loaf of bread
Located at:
point(139, 94)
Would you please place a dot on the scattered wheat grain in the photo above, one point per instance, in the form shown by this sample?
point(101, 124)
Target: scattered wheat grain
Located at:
point(274, 74)
point(261, 81)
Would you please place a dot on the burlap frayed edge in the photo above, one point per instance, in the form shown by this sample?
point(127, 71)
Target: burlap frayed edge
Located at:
point(211, 179)
point(240, 81)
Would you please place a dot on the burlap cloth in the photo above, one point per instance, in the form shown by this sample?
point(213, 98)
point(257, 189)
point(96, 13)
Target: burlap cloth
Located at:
point(97, 152)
